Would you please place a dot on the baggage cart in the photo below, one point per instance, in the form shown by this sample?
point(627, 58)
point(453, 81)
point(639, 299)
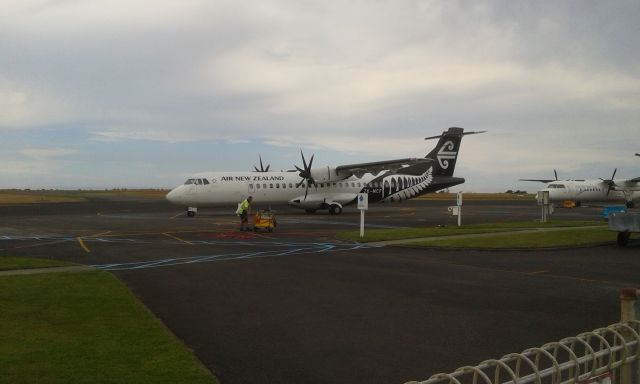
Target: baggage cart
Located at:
point(264, 219)
point(624, 223)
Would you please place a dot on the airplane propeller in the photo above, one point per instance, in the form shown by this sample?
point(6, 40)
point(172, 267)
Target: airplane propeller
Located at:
point(556, 174)
point(610, 182)
point(262, 168)
point(305, 174)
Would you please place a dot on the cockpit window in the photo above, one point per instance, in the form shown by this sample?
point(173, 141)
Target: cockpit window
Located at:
point(190, 181)
point(205, 181)
point(556, 185)
point(199, 181)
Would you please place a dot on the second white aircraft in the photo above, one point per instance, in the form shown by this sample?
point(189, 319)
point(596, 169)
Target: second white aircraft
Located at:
point(594, 190)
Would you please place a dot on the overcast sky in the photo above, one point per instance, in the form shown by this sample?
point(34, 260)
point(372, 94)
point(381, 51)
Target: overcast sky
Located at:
point(123, 93)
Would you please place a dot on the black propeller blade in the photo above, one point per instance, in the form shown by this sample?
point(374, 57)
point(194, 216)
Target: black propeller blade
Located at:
point(610, 182)
point(556, 174)
point(305, 173)
point(262, 168)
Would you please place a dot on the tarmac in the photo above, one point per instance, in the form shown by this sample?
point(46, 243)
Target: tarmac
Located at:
point(298, 305)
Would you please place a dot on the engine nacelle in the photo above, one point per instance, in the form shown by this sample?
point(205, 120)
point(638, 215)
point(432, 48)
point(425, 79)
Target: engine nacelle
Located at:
point(326, 174)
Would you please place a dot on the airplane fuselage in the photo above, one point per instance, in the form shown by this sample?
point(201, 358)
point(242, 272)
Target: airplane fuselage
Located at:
point(228, 188)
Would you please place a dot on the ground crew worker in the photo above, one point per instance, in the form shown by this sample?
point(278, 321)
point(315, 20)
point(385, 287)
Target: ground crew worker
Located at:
point(243, 210)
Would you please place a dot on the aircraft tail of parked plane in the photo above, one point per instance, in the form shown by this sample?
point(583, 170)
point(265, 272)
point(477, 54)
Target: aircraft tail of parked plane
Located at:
point(324, 187)
point(446, 151)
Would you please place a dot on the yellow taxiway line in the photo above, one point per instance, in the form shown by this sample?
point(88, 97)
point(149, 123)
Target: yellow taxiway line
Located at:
point(176, 238)
point(83, 245)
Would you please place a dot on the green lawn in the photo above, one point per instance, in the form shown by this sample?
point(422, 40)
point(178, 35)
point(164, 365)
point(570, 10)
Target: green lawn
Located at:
point(86, 327)
point(412, 233)
point(564, 238)
point(9, 263)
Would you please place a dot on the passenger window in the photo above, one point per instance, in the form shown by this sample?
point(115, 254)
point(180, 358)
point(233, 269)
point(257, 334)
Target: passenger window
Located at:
point(353, 185)
point(284, 185)
point(290, 185)
point(270, 185)
point(258, 186)
point(250, 186)
point(278, 185)
point(264, 185)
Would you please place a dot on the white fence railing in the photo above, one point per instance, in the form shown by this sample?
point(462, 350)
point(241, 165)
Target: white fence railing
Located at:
point(605, 355)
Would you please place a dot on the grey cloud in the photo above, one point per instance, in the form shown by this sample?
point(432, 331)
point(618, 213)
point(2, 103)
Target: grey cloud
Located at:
point(557, 75)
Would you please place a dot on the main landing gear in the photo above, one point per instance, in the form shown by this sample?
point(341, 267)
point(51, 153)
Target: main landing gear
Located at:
point(335, 209)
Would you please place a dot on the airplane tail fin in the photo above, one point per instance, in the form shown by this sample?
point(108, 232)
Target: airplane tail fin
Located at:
point(446, 151)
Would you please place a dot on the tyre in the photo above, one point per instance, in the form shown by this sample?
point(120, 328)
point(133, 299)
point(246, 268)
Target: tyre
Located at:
point(623, 238)
point(191, 213)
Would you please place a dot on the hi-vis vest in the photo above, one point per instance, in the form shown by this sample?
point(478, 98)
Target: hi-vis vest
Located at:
point(242, 207)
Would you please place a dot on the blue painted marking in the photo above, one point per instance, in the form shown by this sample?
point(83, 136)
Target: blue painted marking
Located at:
point(282, 249)
point(310, 248)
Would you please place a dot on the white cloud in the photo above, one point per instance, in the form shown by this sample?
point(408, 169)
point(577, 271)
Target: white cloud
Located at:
point(44, 154)
point(24, 106)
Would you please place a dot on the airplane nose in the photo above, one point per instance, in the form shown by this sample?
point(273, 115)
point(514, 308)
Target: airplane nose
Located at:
point(172, 196)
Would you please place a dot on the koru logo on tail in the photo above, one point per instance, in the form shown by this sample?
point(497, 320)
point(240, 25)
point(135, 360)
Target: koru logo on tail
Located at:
point(446, 153)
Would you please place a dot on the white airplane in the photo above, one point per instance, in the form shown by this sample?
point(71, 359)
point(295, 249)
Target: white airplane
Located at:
point(594, 190)
point(332, 188)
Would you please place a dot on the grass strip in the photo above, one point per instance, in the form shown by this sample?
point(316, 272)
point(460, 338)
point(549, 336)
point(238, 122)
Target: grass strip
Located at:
point(10, 263)
point(13, 196)
point(547, 239)
point(30, 198)
point(414, 233)
point(86, 327)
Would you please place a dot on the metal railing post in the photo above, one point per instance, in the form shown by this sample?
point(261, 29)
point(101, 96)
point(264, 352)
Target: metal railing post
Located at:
point(629, 312)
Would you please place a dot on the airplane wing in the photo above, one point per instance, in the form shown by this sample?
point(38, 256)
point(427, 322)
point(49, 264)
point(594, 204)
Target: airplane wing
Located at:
point(539, 180)
point(378, 166)
point(629, 181)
